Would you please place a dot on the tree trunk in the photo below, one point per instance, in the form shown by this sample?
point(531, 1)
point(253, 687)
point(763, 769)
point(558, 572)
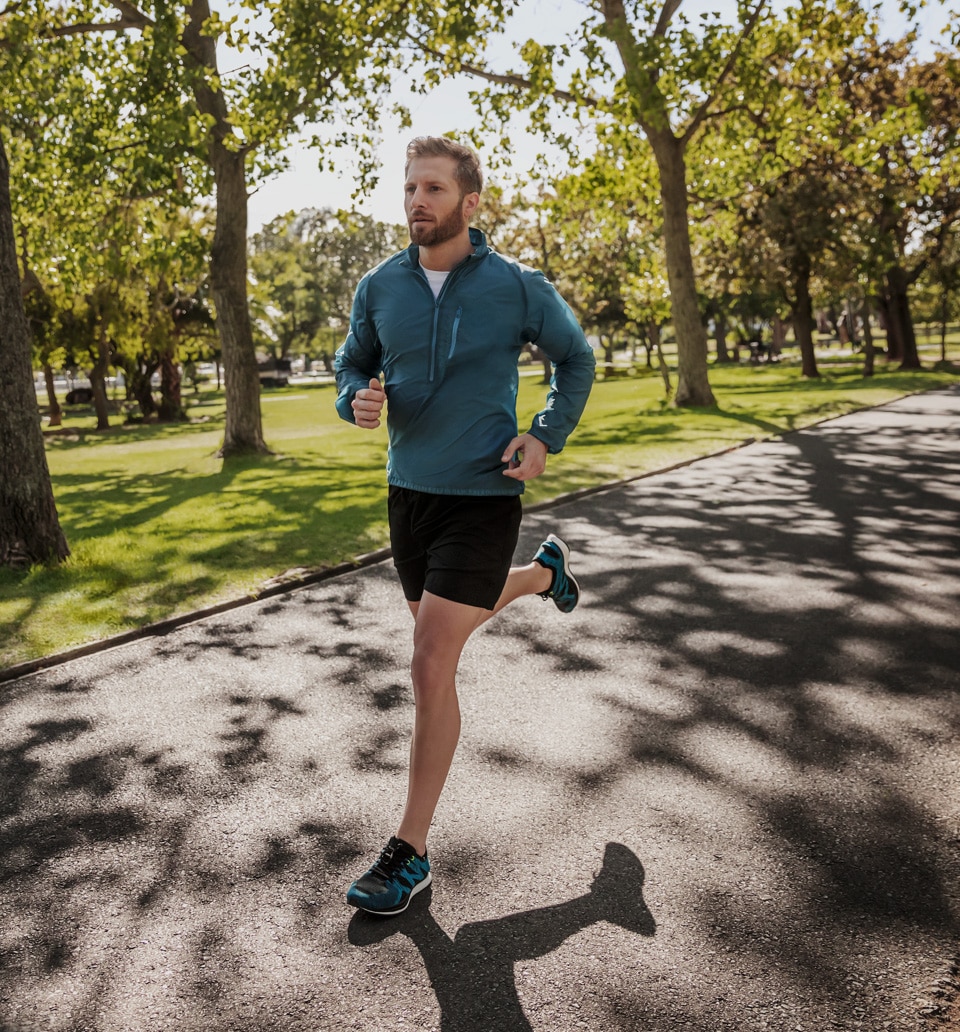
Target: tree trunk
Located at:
point(868, 348)
point(139, 374)
point(654, 332)
point(606, 345)
point(98, 378)
point(899, 311)
point(171, 404)
point(56, 413)
point(29, 526)
point(653, 117)
point(944, 311)
point(894, 349)
point(843, 332)
point(693, 384)
point(779, 338)
point(723, 352)
point(803, 318)
point(850, 321)
point(243, 432)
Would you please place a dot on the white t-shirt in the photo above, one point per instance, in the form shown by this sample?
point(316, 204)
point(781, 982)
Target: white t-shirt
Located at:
point(435, 279)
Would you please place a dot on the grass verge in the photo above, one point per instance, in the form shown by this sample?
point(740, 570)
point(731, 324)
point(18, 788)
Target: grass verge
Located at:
point(159, 527)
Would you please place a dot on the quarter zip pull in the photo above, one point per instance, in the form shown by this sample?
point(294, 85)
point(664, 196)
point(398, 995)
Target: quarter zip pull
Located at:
point(435, 352)
point(433, 341)
point(453, 335)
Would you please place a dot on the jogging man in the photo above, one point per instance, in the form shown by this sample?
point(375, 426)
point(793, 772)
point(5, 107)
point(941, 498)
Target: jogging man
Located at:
point(443, 323)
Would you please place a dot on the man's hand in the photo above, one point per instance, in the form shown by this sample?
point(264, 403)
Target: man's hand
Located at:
point(367, 405)
point(533, 457)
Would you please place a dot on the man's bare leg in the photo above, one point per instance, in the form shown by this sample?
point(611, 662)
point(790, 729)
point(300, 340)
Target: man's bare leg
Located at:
point(440, 633)
point(532, 579)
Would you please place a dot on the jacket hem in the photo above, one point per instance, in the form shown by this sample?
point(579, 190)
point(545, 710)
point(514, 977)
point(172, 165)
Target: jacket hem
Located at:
point(512, 488)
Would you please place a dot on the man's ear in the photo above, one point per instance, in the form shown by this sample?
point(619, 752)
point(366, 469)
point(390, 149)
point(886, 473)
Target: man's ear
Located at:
point(470, 203)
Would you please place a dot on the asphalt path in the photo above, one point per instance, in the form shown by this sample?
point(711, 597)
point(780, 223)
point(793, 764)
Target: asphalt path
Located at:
point(720, 795)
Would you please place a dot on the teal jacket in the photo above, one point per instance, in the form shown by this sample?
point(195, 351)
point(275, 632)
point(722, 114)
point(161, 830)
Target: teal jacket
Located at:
point(450, 366)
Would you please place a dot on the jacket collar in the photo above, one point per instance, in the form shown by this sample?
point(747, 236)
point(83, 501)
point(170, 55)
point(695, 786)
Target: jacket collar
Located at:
point(477, 238)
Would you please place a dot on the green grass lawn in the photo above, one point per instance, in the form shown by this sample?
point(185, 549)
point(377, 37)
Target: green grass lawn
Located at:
point(160, 527)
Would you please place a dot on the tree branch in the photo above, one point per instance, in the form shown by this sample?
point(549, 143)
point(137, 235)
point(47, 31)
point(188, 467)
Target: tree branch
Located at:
point(704, 108)
point(131, 17)
point(131, 12)
point(668, 11)
point(642, 78)
point(941, 237)
point(86, 28)
point(721, 112)
point(501, 80)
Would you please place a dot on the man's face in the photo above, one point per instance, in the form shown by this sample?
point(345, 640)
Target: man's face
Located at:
point(434, 208)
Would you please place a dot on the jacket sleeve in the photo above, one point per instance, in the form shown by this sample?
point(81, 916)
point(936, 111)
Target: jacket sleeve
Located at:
point(552, 327)
point(359, 358)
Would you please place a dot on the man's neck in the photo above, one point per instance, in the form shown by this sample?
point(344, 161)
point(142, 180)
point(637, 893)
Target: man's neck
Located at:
point(443, 257)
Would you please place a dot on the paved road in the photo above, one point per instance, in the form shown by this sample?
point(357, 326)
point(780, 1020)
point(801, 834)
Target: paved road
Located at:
point(721, 795)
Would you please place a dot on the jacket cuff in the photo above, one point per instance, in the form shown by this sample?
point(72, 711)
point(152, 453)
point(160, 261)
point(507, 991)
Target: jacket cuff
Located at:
point(344, 404)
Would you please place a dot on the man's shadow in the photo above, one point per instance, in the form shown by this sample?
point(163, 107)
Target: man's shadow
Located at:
point(472, 974)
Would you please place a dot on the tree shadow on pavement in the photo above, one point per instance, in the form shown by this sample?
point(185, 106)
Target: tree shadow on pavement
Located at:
point(473, 974)
point(778, 642)
point(762, 677)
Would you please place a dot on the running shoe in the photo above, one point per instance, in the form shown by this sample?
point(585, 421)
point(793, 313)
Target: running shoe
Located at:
point(564, 590)
point(397, 876)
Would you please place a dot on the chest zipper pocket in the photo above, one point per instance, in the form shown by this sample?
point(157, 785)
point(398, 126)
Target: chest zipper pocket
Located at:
point(453, 334)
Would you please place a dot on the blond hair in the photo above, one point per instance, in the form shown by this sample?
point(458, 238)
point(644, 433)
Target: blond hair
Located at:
point(467, 171)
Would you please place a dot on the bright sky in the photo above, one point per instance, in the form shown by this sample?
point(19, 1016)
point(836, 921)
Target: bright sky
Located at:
point(447, 109)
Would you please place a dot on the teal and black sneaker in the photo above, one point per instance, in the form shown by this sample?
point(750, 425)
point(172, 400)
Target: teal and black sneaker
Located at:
point(564, 589)
point(397, 876)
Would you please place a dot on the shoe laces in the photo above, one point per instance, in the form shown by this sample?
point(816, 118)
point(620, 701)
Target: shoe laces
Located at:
point(553, 551)
point(392, 858)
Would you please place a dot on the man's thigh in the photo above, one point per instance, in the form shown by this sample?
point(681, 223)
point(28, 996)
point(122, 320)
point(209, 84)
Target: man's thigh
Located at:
point(440, 633)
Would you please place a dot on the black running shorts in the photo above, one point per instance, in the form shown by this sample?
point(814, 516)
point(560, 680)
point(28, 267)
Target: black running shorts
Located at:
point(459, 547)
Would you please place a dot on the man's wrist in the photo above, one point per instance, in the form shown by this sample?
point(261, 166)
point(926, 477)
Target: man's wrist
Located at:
point(536, 437)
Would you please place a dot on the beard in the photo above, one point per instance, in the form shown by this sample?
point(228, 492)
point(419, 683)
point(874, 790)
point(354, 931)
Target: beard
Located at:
point(430, 234)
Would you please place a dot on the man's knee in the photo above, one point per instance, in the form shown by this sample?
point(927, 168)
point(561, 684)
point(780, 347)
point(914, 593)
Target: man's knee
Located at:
point(432, 669)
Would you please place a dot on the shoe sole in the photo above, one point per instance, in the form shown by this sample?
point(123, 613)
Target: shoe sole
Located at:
point(399, 910)
point(565, 552)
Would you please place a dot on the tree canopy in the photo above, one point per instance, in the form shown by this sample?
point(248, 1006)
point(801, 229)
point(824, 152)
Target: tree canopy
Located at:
point(722, 170)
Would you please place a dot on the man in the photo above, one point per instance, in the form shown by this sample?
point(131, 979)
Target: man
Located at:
point(443, 323)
